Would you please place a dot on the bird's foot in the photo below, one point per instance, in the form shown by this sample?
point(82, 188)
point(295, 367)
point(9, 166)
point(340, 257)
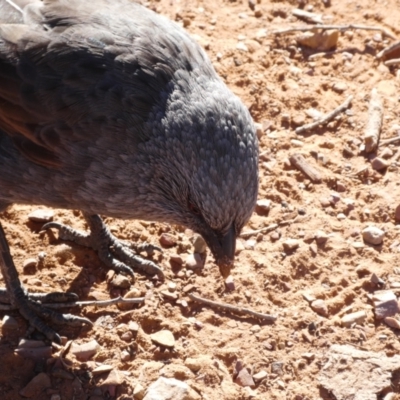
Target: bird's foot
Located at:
point(116, 254)
point(31, 307)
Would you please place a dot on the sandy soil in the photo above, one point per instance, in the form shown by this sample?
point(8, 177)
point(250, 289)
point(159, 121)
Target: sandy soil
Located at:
point(280, 81)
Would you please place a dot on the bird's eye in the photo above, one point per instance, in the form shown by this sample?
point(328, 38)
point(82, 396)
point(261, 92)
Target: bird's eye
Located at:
point(193, 208)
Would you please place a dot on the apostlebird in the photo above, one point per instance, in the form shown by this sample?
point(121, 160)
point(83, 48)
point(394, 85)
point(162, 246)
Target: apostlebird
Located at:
point(112, 109)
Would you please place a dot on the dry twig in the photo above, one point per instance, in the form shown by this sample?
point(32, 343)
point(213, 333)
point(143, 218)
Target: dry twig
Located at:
point(96, 303)
point(326, 118)
point(299, 162)
point(338, 27)
point(374, 124)
point(271, 227)
point(387, 50)
point(308, 16)
point(237, 310)
point(390, 141)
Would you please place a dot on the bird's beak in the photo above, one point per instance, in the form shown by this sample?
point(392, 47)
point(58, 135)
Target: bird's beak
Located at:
point(223, 249)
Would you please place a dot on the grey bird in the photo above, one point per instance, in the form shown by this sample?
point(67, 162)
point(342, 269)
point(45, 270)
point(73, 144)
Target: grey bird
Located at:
point(112, 109)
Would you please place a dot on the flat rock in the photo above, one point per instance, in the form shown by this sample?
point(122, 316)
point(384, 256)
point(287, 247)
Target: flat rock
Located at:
point(349, 373)
point(36, 386)
point(170, 389)
point(163, 338)
point(85, 351)
point(357, 317)
point(41, 216)
point(114, 378)
point(259, 376)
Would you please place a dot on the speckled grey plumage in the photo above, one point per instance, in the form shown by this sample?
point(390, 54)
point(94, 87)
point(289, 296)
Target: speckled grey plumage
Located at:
point(112, 109)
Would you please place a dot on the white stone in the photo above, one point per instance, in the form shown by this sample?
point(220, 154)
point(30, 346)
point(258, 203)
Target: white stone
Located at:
point(373, 235)
point(170, 389)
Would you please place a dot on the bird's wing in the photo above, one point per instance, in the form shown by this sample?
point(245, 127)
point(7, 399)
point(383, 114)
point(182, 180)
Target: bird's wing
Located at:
point(72, 70)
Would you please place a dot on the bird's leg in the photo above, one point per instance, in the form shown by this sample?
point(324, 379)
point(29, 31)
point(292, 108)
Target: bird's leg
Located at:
point(115, 253)
point(29, 306)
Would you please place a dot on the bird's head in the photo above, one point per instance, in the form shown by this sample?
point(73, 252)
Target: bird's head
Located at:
point(208, 181)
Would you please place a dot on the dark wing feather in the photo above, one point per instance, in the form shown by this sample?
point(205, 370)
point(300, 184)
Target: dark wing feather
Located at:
point(76, 69)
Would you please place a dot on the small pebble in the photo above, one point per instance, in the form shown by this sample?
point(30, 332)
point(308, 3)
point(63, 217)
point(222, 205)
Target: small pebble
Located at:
point(250, 244)
point(171, 286)
point(199, 244)
point(341, 216)
point(29, 265)
point(168, 240)
point(139, 392)
point(239, 247)
point(263, 206)
point(308, 356)
point(386, 153)
point(229, 283)
point(277, 367)
point(320, 307)
point(376, 280)
point(163, 338)
point(379, 164)
point(340, 187)
point(114, 378)
point(392, 322)
point(120, 281)
point(125, 356)
point(132, 294)
point(41, 216)
point(325, 202)
point(373, 235)
point(133, 326)
point(127, 336)
point(321, 238)
point(9, 323)
point(169, 295)
point(339, 87)
point(101, 369)
point(259, 130)
point(194, 261)
point(274, 236)
point(297, 143)
point(314, 248)
point(397, 214)
point(244, 378)
point(175, 258)
point(290, 245)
